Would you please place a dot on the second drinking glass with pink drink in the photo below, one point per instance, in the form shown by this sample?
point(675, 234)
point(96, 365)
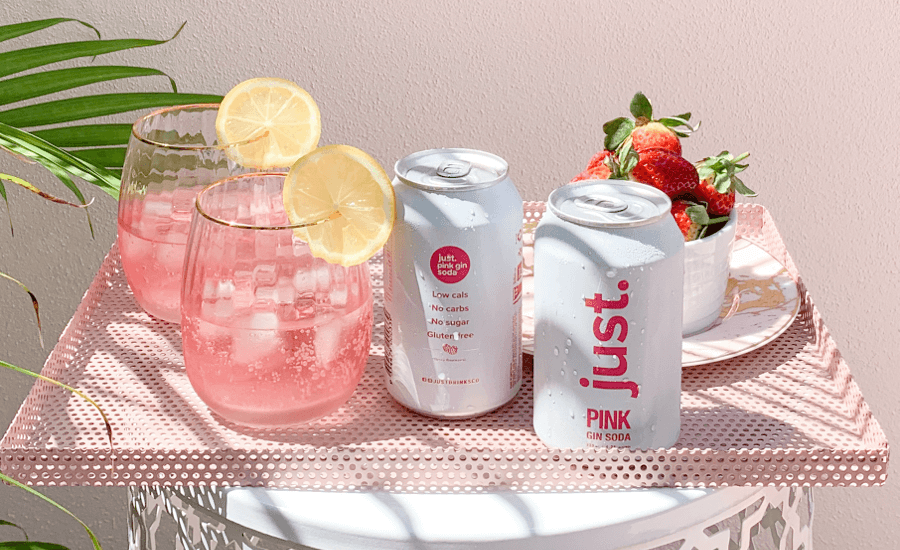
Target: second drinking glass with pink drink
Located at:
point(272, 336)
point(172, 154)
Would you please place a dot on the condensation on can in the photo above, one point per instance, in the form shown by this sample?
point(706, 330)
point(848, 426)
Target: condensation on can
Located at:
point(609, 270)
point(453, 284)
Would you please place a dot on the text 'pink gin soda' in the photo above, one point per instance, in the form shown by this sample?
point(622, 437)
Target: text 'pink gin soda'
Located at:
point(609, 270)
point(453, 284)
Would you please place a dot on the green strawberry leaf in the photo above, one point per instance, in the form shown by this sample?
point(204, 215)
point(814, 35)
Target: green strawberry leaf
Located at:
point(610, 126)
point(630, 161)
point(627, 159)
point(704, 172)
point(697, 214)
point(685, 116)
point(617, 131)
point(741, 188)
point(722, 182)
point(673, 121)
point(640, 106)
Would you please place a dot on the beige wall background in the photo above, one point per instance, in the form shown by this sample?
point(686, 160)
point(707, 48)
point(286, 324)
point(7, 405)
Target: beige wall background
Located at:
point(809, 87)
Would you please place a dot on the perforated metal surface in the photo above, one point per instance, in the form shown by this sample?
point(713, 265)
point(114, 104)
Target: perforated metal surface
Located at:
point(788, 413)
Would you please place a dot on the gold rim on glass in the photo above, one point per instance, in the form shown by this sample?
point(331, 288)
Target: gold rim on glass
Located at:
point(333, 216)
point(186, 147)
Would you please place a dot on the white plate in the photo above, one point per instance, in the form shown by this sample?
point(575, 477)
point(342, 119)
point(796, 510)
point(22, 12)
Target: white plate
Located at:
point(761, 302)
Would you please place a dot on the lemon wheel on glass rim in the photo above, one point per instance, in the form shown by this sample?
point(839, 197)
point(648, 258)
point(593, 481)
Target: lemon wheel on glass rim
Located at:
point(350, 191)
point(268, 123)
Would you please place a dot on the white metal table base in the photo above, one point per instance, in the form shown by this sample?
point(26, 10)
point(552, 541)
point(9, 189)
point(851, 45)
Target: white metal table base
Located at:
point(194, 518)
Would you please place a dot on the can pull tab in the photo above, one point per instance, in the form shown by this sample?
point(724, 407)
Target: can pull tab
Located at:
point(454, 168)
point(610, 205)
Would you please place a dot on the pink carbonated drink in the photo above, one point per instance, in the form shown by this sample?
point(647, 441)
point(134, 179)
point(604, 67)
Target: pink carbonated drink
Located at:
point(272, 336)
point(172, 154)
point(609, 271)
point(453, 284)
point(152, 240)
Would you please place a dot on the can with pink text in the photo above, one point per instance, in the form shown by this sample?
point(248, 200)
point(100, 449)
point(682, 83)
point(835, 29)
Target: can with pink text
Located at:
point(608, 277)
point(453, 284)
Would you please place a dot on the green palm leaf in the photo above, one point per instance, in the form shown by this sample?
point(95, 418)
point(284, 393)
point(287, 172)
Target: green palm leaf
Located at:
point(45, 546)
point(34, 303)
point(44, 131)
point(50, 82)
point(86, 135)
point(11, 524)
point(80, 108)
point(8, 32)
point(103, 156)
point(6, 203)
point(66, 178)
point(93, 403)
point(28, 545)
point(26, 59)
point(91, 151)
point(52, 157)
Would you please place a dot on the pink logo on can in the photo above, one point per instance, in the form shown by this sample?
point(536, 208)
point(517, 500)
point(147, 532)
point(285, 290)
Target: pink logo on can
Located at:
point(450, 264)
point(450, 349)
point(598, 304)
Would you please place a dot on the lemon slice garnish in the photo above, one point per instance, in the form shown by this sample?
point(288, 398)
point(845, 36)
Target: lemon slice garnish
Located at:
point(268, 123)
point(349, 189)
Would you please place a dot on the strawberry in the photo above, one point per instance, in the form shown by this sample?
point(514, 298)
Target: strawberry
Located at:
point(654, 134)
point(600, 159)
point(717, 204)
point(692, 219)
point(681, 211)
point(670, 173)
point(599, 172)
point(602, 166)
point(645, 131)
point(718, 182)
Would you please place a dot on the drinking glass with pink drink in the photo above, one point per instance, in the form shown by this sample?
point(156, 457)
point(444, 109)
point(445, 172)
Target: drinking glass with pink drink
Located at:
point(272, 336)
point(172, 154)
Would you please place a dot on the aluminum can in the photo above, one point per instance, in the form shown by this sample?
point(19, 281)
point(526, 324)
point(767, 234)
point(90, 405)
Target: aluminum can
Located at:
point(608, 290)
point(453, 284)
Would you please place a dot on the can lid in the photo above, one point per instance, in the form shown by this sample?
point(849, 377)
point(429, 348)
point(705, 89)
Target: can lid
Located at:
point(609, 203)
point(451, 169)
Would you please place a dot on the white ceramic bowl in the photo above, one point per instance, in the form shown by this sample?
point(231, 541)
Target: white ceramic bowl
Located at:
point(706, 264)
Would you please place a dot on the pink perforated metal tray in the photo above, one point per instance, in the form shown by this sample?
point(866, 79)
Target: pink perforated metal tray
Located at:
point(788, 413)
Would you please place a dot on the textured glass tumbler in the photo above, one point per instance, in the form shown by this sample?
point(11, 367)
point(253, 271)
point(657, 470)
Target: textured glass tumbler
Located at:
point(171, 156)
point(272, 336)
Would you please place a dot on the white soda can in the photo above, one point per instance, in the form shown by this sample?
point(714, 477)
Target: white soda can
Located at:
point(453, 284)
point(608, 290)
